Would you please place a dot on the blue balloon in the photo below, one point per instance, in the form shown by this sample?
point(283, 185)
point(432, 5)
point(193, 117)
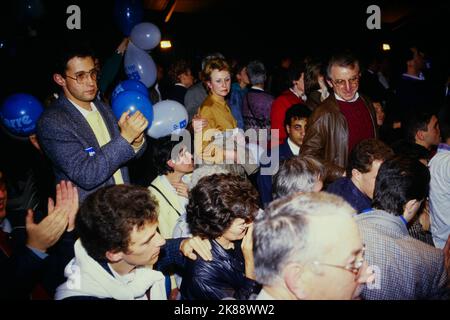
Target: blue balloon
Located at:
point(130, 85)
point(20, 112)
point(133, 101)
point(128, 13)
point(145, 36)
point(139, 65)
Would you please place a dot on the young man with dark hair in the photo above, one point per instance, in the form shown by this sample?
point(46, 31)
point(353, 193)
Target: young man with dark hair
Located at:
point(414, 92)
point(80, 134)
point(423, 129)
point(118, 243)
point(358, 184)
point(342, 120)
point(295, 122)
point(405, 268)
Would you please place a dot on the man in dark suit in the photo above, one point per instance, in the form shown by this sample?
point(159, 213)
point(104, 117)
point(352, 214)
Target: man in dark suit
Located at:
point(295, 123)
point(80, 134)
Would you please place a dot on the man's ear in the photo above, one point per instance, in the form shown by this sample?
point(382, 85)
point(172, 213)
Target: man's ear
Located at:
point(330, 83)
point(419, 135)
point(356, 174)
point(34, 141)
point(171, 163)
point(292, 276)
point(288, 129)
point(114, 256)
point(411, 208)
point(59, 79)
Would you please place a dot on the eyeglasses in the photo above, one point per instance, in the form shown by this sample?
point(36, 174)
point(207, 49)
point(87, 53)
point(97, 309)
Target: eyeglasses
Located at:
point(354, 268)
point(82, 77)
point(341, 83)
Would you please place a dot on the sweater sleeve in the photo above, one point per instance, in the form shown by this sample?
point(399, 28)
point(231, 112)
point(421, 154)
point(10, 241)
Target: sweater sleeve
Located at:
point(170, 255)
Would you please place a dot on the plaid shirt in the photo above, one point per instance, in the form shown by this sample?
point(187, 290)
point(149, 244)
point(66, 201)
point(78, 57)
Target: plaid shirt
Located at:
point(405, 268)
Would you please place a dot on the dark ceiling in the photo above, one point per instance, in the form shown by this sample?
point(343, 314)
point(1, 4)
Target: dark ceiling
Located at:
point(237, 28)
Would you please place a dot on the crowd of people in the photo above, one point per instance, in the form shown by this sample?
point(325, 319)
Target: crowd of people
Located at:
point(346, 197)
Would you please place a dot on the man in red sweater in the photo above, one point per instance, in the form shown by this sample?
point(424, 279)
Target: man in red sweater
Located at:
point(342, 120)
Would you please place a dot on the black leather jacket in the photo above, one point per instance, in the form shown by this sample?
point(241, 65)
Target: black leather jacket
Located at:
point(223, 277)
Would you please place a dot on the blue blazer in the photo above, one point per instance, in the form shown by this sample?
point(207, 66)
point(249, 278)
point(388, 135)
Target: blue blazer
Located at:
point(67, 139)
point(265, 181)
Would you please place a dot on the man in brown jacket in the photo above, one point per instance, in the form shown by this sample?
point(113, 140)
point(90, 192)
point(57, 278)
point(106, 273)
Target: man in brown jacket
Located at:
point(342, 120)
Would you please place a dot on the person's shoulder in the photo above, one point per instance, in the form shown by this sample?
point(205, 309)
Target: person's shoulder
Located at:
point(157, 183)
point(338, 186)
point(196, 88)
point(283, 97)
point(207, 106)
point(267, 96)
point(56, 112)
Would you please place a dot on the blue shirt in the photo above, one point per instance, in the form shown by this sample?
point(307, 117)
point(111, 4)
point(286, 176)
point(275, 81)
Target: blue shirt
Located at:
point(345, 188)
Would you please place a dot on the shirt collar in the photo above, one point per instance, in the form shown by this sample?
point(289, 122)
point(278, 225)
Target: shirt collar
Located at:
point(419, 77)
point(294, 148)
point(257, 88)
point(5, 226)
point(356, 97)
point(302, 96)
point(218, 100)
point(443, 147)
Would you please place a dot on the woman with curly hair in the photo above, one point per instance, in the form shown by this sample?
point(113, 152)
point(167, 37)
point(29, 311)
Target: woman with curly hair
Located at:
point(221, 208)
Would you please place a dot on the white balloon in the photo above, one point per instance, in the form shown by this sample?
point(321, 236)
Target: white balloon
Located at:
point(139, 65)
point(145, 35)
point(168, 117)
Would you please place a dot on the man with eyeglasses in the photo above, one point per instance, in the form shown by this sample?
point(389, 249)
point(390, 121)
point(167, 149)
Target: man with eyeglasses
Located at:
point(80, 134)
point(342, 120)
point(307, 246)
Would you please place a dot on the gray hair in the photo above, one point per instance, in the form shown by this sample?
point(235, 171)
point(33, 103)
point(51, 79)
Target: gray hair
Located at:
point(297, 174)
point(281, 233)
point(344, 59)
point(211, 56)
point(205, 170)
point(256, 72)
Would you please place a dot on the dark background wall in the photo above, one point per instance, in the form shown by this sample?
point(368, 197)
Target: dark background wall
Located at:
point(244, 29)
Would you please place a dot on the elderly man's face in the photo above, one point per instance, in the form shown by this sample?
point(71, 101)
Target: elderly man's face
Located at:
point(334, 273)
point(345, 81)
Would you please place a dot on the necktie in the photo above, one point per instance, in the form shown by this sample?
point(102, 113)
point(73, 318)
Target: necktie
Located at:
point(97, 124)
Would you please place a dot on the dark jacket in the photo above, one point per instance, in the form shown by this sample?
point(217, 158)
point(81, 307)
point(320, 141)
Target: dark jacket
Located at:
point(264, 181)
point(177, 93)
point(326, 137)
point(345, 188)
point(23, 270)
point(223, 277)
